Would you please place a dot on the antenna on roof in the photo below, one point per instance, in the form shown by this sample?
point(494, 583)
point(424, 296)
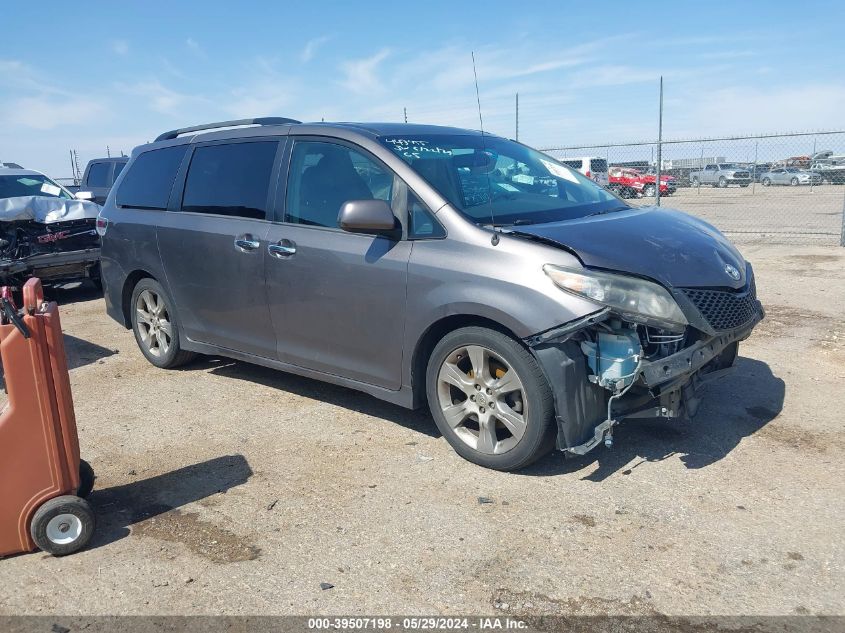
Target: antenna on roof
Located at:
point(477, 95)
point(495, 239)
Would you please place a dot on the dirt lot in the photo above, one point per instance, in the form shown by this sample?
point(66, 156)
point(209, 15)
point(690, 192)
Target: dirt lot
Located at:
point(227, 488)
point(811, 215)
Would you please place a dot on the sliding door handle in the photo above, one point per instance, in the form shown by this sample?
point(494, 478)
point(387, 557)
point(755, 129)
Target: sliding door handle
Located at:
point(246, 243)
point(282, 250)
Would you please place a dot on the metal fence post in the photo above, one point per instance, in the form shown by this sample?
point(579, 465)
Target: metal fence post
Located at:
point(754, 173)
point(811, 164)
point(842, 233)
point(700, 168)
point(659, 148)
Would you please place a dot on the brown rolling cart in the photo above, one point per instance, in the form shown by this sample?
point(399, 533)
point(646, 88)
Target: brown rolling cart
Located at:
point(43, 482)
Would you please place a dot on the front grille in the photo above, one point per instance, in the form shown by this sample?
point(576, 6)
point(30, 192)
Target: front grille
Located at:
point(725, 310)
point(742, 174)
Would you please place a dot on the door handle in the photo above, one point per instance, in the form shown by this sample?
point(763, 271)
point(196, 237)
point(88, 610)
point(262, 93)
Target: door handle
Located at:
point(246, 243)
point(282, 250)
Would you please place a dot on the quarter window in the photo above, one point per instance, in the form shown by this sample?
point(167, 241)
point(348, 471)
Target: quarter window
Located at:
point(324, 175)
point(230, 179)
point(422, 223)
point(148, 182)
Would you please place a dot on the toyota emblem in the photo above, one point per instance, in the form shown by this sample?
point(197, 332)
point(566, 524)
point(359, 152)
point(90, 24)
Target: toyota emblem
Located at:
point(732, 272)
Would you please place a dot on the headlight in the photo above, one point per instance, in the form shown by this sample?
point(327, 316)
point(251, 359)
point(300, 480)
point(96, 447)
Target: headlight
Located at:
point(633, 298)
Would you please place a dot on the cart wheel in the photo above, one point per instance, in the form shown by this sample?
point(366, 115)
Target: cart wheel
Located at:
point(86, 479)
point(63, 525)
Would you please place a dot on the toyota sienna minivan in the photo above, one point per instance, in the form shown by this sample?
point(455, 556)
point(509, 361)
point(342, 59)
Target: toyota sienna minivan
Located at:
point(525, 305)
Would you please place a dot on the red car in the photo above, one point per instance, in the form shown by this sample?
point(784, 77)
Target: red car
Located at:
point(630, 183)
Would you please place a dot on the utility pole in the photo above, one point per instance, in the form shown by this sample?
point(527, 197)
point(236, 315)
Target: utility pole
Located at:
point(517, 116)
point(405, 112)
point(659, 146)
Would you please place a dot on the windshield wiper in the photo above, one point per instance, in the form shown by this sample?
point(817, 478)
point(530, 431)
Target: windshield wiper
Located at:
point(606, 211)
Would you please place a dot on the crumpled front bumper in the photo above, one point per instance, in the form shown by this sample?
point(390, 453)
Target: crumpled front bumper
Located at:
point(665, 387)
point(693, 358)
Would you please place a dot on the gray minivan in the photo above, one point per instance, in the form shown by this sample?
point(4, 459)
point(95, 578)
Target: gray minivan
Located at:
point(527, 306)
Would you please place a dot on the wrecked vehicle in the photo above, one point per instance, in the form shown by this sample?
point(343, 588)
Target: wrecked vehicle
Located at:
point(44, 231)
point(527, 306)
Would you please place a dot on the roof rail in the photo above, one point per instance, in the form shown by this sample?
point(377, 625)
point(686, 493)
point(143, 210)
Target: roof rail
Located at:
point(267, 120)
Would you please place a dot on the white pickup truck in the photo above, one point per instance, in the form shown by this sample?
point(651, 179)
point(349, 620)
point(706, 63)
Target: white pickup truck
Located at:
point(721, 175)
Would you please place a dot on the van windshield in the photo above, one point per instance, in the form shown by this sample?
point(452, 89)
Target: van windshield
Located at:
point(492, 180)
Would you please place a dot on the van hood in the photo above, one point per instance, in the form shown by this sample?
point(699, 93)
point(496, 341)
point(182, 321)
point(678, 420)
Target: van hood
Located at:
point(665, 245)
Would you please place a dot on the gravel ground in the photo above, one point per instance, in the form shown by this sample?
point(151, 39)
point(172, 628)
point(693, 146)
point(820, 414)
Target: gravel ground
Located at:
point(228, 488)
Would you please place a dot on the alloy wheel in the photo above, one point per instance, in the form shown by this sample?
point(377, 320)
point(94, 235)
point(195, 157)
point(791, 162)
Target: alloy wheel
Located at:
point(154, 326)
point(482, 399)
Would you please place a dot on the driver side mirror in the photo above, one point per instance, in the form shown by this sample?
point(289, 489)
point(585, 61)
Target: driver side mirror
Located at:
point(367, 216)
point(84, 195)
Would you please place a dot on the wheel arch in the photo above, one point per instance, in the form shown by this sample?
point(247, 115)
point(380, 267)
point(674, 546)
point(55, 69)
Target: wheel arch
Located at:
point(432, 335)
point(129, 284)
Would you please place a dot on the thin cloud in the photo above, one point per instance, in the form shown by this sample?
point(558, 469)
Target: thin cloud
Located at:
point(47, 113)
point(159, 97)
point(195, 48)
point(120, 47)
point(361, 75)
point(310, 48)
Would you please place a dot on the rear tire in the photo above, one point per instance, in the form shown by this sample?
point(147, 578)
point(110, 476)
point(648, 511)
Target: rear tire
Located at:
point(490, 417)
point(723, 182)
point(767, 182)
point(794, 182)
point(695, 182)
point(63, 525)
point(648, 191)
point(156, 326)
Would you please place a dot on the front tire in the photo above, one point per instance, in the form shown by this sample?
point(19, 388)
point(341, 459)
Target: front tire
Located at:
point(155, 325)
point(695, 182)
point(767, 182)
point(723, 182)
point(490, 399)
point(648, 191)
point(794, 182)
point(63, 525)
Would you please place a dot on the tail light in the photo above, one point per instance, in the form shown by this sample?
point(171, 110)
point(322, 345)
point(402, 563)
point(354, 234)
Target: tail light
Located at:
point(102, 225)
point(589, 175)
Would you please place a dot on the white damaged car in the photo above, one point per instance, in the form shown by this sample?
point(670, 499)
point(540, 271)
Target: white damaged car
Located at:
point(45, 231)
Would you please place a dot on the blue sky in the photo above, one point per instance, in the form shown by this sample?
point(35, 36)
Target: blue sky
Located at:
point(119, 73)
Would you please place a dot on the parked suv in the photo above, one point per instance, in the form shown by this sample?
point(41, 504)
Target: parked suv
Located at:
point(100, 174)
point(529, 307)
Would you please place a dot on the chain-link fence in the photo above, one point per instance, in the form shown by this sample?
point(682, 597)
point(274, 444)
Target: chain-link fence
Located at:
point(778, 188)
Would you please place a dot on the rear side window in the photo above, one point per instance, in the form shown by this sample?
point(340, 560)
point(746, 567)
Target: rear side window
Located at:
point(118, 167)
point(98, 175)
point(598, 164)
point(230, 179)
point(575, 164)
point(148, 182)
